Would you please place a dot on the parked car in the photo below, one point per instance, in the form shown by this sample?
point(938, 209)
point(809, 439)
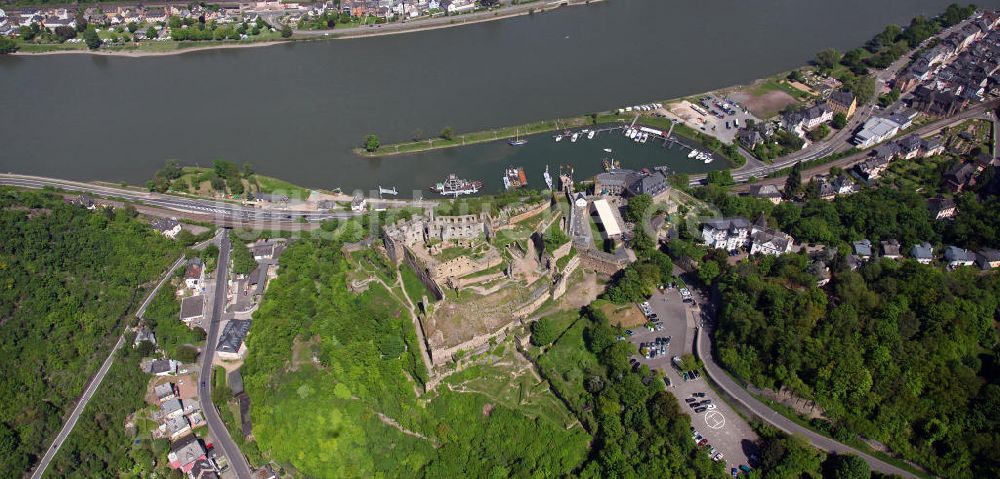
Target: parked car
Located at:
point(699, 409)
point(718, 457)
point(698, 395)
point(706, 402)
point(745, 468)
point(703, 442)
point(734, 472)
point(689, 400)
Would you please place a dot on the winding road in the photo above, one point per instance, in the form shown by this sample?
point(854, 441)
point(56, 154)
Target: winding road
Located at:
point(95, 382)
point(215, 425)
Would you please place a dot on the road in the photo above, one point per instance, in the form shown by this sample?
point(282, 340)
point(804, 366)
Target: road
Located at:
point(222, 213)
point(215, 425)
point(440, 21)
point(95, 382)
point(981, 112)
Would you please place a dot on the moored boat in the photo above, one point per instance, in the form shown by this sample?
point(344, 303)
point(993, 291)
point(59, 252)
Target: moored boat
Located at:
point(455, 186)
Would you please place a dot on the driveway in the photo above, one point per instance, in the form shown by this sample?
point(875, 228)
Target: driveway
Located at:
point(725, 430)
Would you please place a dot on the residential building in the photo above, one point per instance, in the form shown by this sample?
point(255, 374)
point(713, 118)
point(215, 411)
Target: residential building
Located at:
point(194, 275)
point(184, 453)
point(870, 170)
point(165, 392)
point(988, 258)
point(203, 469)
point(932, 146)
point(266, 250)
point(232, 342)
point(168, 227)
point(726, 233)
point(910, 147)
point(891, 249)
point(961, 176)
point(841, 185)
point(192, 310)
point(844, 102)
point(767, 192)
point(171, 408)
point(142, 333)
point(875, 131)
point(936, 102)
point(176, 427)
point(862, 249)
point(765, 240)
point(957, 257)
point(163, 367)
point(942, 208)
point(609, 218)
point(923, 253)
point(887, 151)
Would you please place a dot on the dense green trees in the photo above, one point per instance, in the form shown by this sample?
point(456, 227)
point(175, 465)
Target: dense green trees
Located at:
point(898, 352)
point(371, 143)
point(243, 262)
point(70, 277)
point(7, 45)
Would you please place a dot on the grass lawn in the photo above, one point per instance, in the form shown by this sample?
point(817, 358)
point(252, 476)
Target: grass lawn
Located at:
point(415, 288)
point(773, 84)
point(565, 364)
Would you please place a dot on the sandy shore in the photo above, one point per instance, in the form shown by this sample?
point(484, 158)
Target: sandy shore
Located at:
point(345, 34)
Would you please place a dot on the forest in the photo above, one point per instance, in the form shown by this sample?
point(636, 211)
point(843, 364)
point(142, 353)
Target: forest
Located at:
point(70, 279)
point(896, 352)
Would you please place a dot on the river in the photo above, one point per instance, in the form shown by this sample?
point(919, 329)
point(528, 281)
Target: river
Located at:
point(295, 111)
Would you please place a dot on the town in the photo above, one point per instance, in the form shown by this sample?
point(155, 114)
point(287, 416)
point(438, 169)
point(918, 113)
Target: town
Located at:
point(268, 20)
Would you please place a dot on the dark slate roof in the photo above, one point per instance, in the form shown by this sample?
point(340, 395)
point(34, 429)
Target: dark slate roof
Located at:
point(192, 307)
point(863, 247)
point(841, 97)
point(233, 335)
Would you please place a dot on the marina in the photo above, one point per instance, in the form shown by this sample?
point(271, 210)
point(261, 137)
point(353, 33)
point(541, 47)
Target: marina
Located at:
point(609, 148)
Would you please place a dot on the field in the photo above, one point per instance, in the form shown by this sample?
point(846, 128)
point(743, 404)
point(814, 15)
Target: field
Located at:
point(626, 316)
point(765, 99)
point(566, 362)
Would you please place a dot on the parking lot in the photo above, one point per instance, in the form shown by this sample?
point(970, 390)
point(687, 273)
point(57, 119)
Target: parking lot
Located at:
point(724, 430)
point(710, 123)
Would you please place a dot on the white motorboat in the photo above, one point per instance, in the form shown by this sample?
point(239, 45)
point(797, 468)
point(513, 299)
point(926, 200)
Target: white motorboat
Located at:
point(558, 138)
point(693, 154)
point(574, 137)
point(590, 135)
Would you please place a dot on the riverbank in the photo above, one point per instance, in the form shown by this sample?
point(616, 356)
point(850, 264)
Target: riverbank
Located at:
point(167, 48)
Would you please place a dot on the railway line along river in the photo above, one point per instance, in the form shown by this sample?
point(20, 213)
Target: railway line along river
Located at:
point(295, 111)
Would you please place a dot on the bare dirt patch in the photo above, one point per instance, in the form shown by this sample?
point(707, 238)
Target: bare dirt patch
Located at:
point(626, 316)
point(764, 105)
point(459, 319)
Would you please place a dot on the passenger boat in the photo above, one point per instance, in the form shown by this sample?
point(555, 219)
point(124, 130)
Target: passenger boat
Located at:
point(547, 177)
point(514, 177)
point(455, 186)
